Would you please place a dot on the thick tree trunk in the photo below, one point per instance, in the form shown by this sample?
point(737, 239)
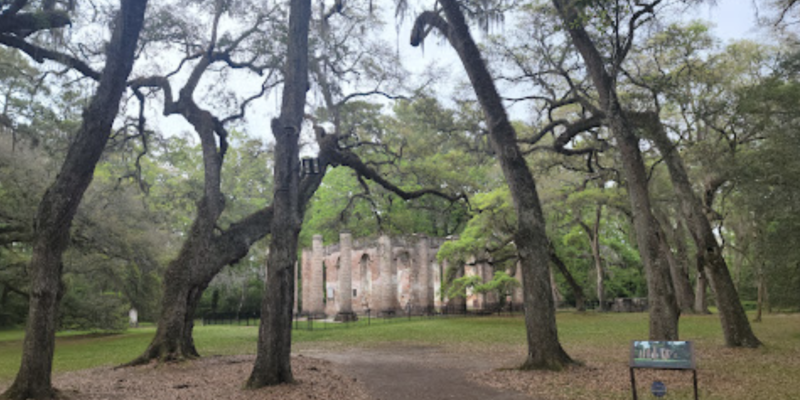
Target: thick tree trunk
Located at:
point(577, 290)
point(664, 310)
point(227, 248)
point(700, 288)
point(735, 326)
point(182, 291)
point(684, 292)
point(60, 203)
point(273, 362)
point(544, 348)
point(187, 342)
point(682, 257)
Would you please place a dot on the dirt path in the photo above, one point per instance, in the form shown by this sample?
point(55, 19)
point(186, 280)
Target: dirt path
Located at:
point(390, 372)
point(415, 373)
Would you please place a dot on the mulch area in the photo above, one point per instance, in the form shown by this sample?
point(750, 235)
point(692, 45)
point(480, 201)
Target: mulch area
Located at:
point(207, 378)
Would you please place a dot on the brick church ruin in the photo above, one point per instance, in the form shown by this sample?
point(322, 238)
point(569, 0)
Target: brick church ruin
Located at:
point(386, 276)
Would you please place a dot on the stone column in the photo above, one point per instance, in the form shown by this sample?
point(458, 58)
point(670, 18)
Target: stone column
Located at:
point(344, 298)
point(516, 296)
point(295, 308)
point(316, 306)
point(305, 276)
point(436, 289)
point(424, 275)
point(388, 279)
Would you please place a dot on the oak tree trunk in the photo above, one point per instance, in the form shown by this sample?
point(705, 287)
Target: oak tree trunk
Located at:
point(60, 203)
point(684, 292)
point(664, 311)
point(700, 296)
point(173, 338)
point(682, 257)
point(189, 275)
point(544, 348)
point(663, 306)
point(735, 325)
point(273, 363)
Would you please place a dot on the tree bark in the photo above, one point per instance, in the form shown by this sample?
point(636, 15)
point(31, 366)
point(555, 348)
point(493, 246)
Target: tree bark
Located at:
point(677, 266)
point(273, 362)
point(204, 252)
point(664, 310)
point(700, 288)
point(544, 348)
point(735, 325)
point(60, 203)
point(684, 292)
point(182, 290)
point(682, 255)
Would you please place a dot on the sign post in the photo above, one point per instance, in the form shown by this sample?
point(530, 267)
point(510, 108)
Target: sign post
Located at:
point(662, 355)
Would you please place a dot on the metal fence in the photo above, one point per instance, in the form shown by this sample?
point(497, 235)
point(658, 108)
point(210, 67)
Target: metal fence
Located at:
point(306, 322)
point(246, 319)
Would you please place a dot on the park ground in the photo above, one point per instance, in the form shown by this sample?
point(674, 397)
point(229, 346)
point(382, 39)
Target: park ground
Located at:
point(458, 357)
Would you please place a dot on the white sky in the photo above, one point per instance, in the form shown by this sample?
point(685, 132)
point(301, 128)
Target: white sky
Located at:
point(734, 19)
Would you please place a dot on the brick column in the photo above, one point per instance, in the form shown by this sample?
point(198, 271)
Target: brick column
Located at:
point(295, 308)
point(516, 297)
point(344, 298)
point(424, 272)
point(305, 276)
point(487, 272)
point(315, 304)
point(388, 279)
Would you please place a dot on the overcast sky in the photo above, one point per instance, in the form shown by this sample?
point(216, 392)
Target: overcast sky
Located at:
point(732, 20)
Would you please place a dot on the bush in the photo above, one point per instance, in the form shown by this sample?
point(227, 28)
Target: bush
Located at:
point(86, 311)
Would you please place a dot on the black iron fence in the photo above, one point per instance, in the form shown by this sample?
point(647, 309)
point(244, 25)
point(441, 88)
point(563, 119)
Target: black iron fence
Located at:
point(305, 321)
point(310, 322)
point(245, 319)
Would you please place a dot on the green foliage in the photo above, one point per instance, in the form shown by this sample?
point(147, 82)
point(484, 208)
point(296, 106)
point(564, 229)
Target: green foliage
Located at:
point(489, 229)
point(423, 145)
point(501, 284)
point(237, 290)
point(83, 309)
point(768, 197)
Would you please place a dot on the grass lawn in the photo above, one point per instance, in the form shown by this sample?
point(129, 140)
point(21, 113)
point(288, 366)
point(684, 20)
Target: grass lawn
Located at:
point(601, 341)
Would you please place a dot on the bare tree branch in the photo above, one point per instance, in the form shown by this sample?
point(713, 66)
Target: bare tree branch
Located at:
point(40, 54)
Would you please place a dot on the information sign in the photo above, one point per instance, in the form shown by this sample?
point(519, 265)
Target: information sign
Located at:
point(662, 355)
point(666, 355)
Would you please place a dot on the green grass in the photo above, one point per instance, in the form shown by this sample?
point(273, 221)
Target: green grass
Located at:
point(602, 339)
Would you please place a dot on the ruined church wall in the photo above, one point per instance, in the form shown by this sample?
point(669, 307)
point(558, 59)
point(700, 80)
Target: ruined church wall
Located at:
point(386, 275)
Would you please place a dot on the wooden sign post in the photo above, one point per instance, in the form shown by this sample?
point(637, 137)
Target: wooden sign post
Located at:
point(662, 355)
